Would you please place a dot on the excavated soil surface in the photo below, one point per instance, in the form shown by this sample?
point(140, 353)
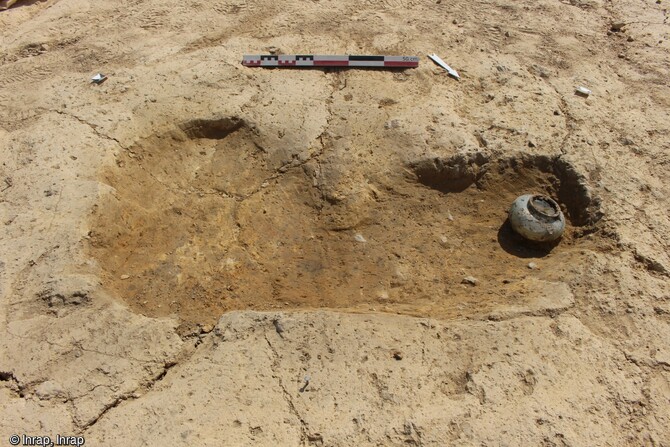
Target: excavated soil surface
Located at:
point(144, 220)
point(200, 223)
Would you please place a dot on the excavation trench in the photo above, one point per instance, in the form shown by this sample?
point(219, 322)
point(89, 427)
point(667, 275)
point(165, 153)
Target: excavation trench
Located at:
point(200, 222)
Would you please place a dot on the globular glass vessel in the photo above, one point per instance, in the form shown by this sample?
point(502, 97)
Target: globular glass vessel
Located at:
point(537, 218)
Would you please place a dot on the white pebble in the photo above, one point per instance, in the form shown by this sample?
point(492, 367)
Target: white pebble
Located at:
point(470, 280)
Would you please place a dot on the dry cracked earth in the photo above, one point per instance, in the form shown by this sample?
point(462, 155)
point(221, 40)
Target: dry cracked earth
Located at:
point(200, 253)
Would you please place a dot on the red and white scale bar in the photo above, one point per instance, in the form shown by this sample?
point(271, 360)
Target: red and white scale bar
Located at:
point(314, 60)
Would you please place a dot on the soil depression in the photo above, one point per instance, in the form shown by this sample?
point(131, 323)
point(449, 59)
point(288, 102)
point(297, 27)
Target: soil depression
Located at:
point(201, 222)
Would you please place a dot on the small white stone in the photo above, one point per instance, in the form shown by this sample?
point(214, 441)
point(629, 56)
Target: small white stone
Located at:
point(230, 264)
point(392, 124)
point(125, 276)
point(470, 280)
point(48, 390)
point(583, 91)
point(359, 237)
point(532, 265)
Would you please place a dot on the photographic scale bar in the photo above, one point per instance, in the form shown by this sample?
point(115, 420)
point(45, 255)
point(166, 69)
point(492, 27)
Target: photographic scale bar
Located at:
point(314, 60)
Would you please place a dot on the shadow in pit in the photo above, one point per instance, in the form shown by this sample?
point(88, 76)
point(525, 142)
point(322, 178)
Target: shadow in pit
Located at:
point(7, 4)
point(501, 180)
point(517, 246)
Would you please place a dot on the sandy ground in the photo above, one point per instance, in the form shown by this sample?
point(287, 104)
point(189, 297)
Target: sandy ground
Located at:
point(199, 253)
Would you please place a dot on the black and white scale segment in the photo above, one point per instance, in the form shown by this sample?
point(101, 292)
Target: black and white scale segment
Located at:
point(316, 60)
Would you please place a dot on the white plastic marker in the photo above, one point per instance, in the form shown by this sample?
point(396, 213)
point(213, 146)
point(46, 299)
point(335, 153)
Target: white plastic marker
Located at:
point(583, 91)
point(98, 79)
point(315, 60)
point(444, 65)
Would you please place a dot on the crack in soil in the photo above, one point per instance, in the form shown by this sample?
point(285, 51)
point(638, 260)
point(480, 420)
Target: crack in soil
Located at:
point(14, 386)
point(77, 346)
point(92, 126)
point(570, 121)
point(146, 387)
point(304, 431)
point(110, 406)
